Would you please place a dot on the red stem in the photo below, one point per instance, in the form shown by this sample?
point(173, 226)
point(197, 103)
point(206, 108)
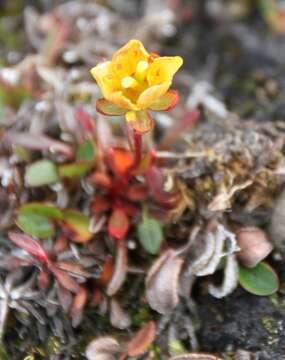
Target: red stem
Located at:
point(138, 147)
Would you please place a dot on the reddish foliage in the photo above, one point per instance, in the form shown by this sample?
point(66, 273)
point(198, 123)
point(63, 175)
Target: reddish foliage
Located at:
point(142, 339)
point(30, 245)
point(118, 225)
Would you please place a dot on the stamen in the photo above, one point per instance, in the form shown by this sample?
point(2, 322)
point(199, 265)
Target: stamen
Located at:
point(141, 70)
point(128, 82)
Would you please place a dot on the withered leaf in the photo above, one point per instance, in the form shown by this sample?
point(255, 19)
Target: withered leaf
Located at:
point(142, 339)
point(78, 305)
point(230, 281)
point(195, 356)
point(162, 282)
point(118, 317)
point(120, 270)
point(104, 348)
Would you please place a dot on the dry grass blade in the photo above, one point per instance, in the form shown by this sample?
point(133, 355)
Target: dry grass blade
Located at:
point(162, 282)
point(142, 339)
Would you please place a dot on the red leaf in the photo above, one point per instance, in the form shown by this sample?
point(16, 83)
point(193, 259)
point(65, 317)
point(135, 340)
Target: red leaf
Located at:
point(121, 160)
point(85, 120)
point(107, 271)
point(118, 225)
point(101, 179)
point(64, 279)
point(142, 339)
point(43, 279)
point(30, 245)
point(137, 192)
point(100, 205)
point(129, 209)
point(73, 269)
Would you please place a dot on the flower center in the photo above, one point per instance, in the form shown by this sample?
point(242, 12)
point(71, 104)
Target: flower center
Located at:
point(129, 82)
point(141, 70)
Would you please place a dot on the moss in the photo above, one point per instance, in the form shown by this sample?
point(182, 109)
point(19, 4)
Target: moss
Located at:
point(3, 354)
point(53, 346)
point(269, 324)
point(176, 347)
point(229, 355)
point(155, 352)
point(141, 316)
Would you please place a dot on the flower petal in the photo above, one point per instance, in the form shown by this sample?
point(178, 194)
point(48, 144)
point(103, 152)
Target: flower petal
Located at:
point(105, 107)
point(162, 69)
point(150, 95)
point(125, 60)
point(119, 99)
point(102, 73)
point(166, 102)
point(141, 121)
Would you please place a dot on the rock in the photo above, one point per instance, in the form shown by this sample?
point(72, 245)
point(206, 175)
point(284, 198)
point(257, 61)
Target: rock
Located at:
point(243, 321)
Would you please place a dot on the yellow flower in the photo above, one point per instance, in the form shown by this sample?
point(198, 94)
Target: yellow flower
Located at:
point(134, 81)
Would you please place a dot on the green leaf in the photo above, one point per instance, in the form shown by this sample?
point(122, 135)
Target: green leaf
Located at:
point(75, 170)
point(35, 225)
point(105, 107)
point(42, 172)
point(261, 280)
point(150, 234)
point(76, 226)
point(86, 151)
point(42, 209)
